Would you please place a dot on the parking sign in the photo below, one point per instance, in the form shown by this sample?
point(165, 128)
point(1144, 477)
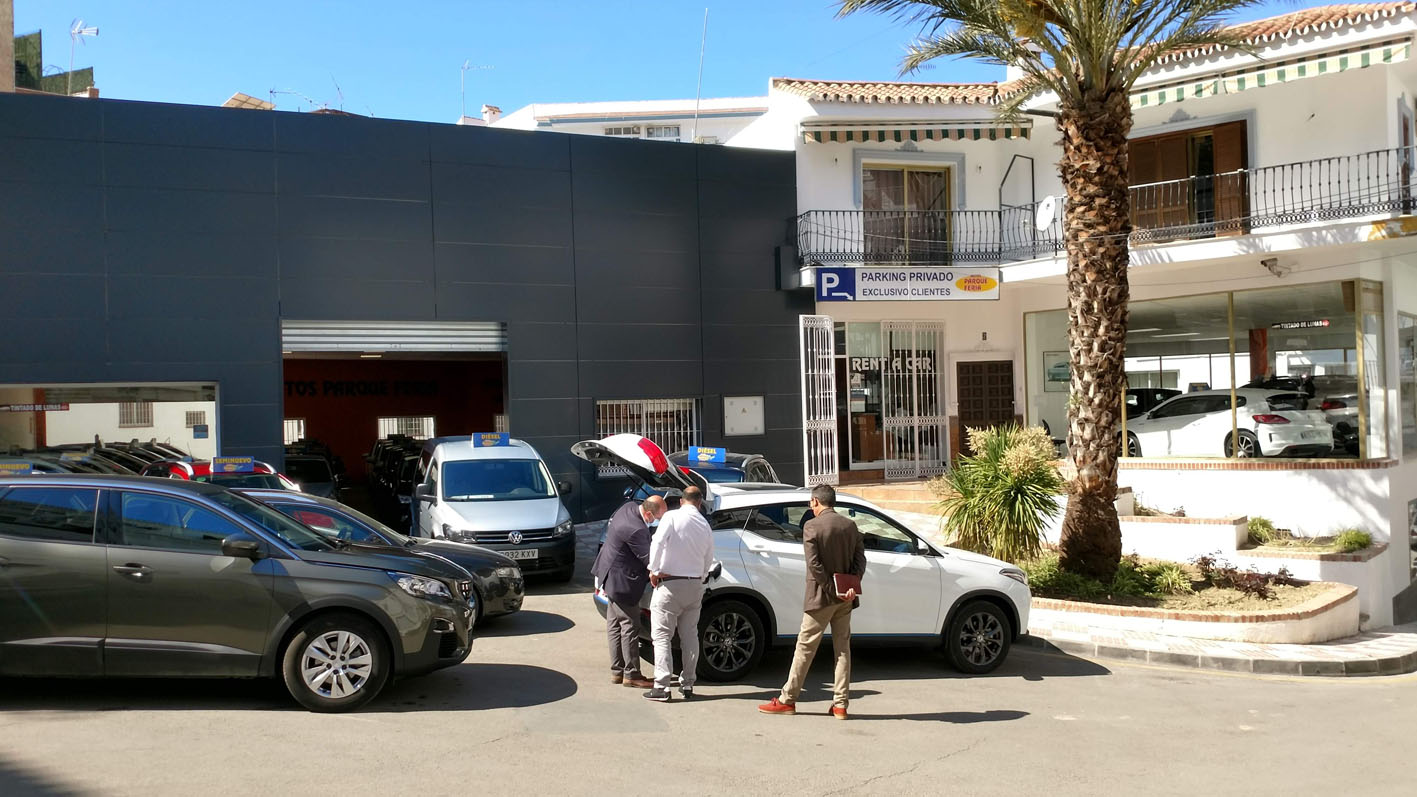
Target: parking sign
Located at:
point(836, 284)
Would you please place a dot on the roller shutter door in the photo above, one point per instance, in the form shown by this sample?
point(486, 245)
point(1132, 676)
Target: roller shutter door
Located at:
point(411, 336)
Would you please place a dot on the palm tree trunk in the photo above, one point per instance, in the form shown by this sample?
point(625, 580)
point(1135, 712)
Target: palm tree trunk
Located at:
point(1097, 222)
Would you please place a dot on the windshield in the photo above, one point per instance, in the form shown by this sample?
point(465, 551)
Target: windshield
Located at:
point(309, 471)
point(249, 481)
point(496, 480)
point(292, 533)
point(720, 475)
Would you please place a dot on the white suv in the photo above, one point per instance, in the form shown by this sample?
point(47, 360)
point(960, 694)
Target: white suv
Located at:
point(913, 590)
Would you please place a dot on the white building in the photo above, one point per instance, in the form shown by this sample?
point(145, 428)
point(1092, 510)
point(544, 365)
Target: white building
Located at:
point(1275, 235)
point(708, 121)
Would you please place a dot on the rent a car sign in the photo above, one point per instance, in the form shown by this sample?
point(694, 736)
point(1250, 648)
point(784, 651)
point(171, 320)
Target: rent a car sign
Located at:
point(836, 284)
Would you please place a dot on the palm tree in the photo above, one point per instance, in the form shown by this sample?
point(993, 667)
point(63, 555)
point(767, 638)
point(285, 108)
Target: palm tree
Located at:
point(1088, 54)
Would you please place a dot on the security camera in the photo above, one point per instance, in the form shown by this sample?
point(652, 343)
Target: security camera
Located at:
point(1272, 264)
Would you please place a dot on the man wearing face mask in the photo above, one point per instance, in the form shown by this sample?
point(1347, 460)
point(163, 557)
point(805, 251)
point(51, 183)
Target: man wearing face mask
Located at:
point(622, 570)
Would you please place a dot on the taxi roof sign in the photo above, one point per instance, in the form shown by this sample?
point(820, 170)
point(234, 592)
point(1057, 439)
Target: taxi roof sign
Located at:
point(707, 454)
point(233, 464)
point(16, 468)
point(491, 439)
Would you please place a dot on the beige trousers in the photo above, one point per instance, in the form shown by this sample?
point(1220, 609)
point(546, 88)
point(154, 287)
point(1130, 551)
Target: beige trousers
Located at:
point(814, 624)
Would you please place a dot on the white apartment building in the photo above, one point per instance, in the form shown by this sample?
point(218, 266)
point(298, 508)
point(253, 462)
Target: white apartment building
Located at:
point(1275, 239)
point(712, 120)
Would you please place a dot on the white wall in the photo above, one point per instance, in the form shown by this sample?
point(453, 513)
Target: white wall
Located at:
point(81, 422)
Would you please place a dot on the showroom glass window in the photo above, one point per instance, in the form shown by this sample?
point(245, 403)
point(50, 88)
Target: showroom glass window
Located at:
point(1321, 341)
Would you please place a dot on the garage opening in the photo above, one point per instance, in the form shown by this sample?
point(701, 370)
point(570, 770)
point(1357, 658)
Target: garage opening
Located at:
point(349, 385)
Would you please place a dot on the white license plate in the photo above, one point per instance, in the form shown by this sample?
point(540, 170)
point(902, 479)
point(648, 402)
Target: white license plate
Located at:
point(1309, 435)
point(520, 553)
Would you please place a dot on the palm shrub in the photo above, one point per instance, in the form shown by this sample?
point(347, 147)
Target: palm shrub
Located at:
point(1001, 496)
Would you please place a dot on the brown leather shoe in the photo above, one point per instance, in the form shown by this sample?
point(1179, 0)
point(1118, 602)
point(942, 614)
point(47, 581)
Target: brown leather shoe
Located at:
point(838, 712)
point(639, 683)
point(616, 678)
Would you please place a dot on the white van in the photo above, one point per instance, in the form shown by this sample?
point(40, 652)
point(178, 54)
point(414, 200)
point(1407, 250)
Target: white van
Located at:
point(499, 496)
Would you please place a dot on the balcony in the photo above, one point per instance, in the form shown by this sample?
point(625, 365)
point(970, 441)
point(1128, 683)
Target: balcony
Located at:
point(1369, 184)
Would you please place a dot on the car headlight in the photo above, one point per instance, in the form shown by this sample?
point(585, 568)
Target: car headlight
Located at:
point(563, 528)
point(1015, 574)
point(421, 586)
point(508, 572)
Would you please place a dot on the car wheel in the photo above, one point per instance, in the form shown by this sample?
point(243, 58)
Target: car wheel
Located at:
point(336, 662)
point(1133, 445)
point(978, 638)
point(477, 614)
point(731, 640)
point(1249, 446)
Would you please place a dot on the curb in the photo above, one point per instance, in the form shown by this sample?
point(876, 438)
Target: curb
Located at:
point(1391, 665)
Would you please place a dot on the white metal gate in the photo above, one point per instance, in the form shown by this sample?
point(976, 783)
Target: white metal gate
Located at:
point(819, 443)
point(913, 399)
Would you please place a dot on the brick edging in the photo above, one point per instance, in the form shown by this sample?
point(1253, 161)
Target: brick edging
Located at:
point(1255, 464)
point(1186, 521)
point(1388, 665)
point(1365, 555)
point(1278, 615)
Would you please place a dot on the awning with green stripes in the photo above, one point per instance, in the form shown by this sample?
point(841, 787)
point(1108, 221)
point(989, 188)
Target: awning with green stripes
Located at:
point(983, 130)
point(1271, 73)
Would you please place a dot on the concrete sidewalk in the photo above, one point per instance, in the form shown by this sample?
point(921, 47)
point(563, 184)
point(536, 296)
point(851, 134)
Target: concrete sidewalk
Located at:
point(1388, 651)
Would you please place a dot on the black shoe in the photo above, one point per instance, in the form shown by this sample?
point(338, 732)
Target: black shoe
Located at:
point(686, 692)
point(658, 695)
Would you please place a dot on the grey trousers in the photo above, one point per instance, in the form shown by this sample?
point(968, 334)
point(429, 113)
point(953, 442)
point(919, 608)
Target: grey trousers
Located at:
point(622, 625)
point(675, 609)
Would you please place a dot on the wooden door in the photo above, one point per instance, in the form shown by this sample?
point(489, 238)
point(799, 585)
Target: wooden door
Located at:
point(985, 393)
point(1232, 188)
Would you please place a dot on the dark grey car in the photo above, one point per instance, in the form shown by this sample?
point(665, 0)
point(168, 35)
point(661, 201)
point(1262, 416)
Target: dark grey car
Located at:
point(132, 576)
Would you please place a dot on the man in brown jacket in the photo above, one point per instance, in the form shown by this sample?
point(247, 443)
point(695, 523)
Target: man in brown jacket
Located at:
point(832, 544)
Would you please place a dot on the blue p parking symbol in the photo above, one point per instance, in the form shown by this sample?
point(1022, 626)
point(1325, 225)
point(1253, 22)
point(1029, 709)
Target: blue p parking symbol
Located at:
point(836, 284)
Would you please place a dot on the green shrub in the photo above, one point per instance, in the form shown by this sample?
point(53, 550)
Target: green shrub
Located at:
point(1261, 531)
point(998, 500)
point(1046, 578)
point(1350, 540)
point(1130, 579)
point(1169, 578)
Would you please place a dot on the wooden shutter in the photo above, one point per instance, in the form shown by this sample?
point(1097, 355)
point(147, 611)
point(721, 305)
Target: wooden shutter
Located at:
point(1173, 199)
point(1231, 189)
point(1143, 170)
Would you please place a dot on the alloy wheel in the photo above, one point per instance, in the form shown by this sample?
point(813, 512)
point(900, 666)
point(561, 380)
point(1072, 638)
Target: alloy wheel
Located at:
point(1245, 448)
point(981, 638)
point(336, 664)
point(728, 642)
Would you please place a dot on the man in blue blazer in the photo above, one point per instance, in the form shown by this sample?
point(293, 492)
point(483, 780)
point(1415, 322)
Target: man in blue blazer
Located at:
point(622, 570)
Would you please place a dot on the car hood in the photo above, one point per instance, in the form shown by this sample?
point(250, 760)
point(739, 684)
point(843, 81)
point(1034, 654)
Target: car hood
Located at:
point(378, 557)
point(520, 515)
point(645, 461)
point(468, 557)
point(972, 558)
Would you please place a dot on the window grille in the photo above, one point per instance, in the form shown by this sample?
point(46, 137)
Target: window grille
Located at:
point(673, 424)
point(500, 424)
point(632, 131)
point(419, 426)
point(133, 414)
point(294, 430)
point(196, 418)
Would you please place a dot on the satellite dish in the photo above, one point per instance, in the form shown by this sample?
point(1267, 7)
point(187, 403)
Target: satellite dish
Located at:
point(1043, 217)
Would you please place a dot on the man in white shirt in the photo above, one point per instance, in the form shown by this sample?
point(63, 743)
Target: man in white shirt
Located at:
point(680, 556)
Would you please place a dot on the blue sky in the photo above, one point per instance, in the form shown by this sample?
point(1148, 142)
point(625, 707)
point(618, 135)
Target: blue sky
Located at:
point(402, 59)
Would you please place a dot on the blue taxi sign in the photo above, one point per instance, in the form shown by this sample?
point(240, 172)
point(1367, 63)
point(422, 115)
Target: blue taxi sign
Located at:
point(490, 439)
point(233, 464)
point(16, 468)
point(706, 454)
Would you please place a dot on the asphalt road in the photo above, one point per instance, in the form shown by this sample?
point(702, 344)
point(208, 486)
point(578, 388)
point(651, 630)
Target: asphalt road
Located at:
point(533, 711)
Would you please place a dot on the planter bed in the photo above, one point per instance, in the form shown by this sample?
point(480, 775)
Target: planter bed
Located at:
point(1333, 614)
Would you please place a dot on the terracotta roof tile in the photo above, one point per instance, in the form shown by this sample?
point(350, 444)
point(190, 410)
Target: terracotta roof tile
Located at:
point(1296, 23)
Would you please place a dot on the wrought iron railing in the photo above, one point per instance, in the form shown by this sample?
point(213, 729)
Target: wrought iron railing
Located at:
point(1375, 183)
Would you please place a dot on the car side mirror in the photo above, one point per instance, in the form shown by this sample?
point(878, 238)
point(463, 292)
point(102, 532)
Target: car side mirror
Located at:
point(424, 493)
point(564, 488)
point(714, 572)
point(242, 546)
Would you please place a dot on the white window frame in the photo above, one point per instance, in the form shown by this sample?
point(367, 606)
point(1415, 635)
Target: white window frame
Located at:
point(420, 427)
point(293, 430)
point(623, 131)
point(194, 418)
point(659, 132)
point(673, 424)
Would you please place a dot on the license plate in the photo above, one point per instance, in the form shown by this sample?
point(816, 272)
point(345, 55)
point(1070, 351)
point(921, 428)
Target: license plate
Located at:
point(520, 553)
point(1309, 435)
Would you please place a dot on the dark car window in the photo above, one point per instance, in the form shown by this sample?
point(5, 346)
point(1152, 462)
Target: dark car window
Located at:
point(720, 475)
point(172, 524)
point(49, 513)
point(496, 480)
point(248, 481)
point(1288, 401)
point(780, 523)
point(331, 523)
point(879, 533)
point(308, 471)
point(1179, 407)
point(289, 531)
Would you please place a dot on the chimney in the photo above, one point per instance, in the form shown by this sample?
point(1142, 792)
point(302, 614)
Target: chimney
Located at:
point(7, 45)
point(490, 113)
point(1013, 71)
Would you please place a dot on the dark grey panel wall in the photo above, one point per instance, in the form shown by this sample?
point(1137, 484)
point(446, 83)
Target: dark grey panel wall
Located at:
point(623, 269)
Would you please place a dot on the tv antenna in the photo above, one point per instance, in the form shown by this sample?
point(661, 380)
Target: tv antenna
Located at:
point(338, 92)
point(77, 33)
point(462, 87)
point(699, 88)
point(294, 93)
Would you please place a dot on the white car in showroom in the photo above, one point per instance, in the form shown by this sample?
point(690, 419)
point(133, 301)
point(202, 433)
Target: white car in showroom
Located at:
point(1269, 423)
point(913, 592)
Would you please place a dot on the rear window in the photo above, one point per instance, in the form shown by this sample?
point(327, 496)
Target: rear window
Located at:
point(1288, 401)
point(309, 471)
point(250, 481)
point(720, 475)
